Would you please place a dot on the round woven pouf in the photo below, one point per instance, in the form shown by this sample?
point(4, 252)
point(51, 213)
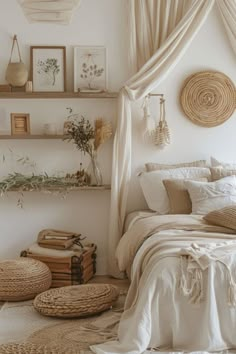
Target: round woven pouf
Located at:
point(76, 300)
point(29, 348)
point(208, 98)
point(23, 279)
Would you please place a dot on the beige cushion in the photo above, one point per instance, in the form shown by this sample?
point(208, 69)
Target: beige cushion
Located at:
point(220, 172)
point(76, 300)
point(223, 217)
point(179, 199)
point(153, 166)
point(209, 196)
point(23, 278)
point(153, 188)
point(228, 165)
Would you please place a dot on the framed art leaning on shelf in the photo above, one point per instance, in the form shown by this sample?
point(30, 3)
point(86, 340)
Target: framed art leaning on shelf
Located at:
point(90, 74)
point(48, 68)
point(20, 123)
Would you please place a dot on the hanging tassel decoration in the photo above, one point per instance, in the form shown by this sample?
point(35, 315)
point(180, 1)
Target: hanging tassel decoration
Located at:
point(162, 133)
point(149, 123)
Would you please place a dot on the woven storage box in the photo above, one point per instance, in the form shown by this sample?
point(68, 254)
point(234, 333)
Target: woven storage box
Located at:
point(23, 279)
point(74, 270)
point(77, 300)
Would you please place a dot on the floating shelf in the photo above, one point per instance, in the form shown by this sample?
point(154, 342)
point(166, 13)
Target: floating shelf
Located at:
point(62, 189)
point(31, 136)
point(51, 95)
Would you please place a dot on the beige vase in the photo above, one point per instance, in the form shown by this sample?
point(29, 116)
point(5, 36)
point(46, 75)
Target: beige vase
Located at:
point(16, 74)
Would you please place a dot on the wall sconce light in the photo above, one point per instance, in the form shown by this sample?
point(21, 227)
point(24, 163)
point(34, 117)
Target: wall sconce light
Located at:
point(51, 11)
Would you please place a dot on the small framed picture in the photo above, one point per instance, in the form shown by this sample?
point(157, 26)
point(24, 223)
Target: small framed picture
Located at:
point(90, 69)
point(48, 68)
point(20, 124)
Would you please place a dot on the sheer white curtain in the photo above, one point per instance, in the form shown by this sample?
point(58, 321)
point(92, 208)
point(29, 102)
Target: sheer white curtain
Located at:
point(227, 10)
point(163, 30)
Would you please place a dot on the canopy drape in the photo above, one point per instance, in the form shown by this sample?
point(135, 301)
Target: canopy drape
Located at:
point(227, 10)
point(160, 35)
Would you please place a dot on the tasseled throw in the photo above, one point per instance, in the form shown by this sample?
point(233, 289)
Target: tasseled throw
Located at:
point(194, 291)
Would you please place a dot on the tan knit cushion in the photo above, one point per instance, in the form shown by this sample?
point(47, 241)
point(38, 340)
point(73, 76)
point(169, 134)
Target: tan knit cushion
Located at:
point(76, 300)
point(220, 172)
point(23, 278)
point(223, 217)
point(153, 166)
point(179, 199)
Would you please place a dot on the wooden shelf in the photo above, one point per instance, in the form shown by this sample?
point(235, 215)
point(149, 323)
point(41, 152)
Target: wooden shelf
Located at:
point(31, 136)
point(56, 95)
point(61, 189)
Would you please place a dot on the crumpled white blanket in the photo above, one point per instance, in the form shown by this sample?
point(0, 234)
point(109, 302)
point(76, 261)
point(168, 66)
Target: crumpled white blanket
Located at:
point(158, 315)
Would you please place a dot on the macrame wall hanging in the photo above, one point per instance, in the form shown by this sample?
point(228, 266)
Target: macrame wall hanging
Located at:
point(158, 133)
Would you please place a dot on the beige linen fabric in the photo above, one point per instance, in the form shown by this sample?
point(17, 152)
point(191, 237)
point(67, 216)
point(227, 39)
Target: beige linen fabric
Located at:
point(227, 10)
point(179, 199)
point(223, 217)
point(153, 166)
point(160, 35)
point(220, 172)
point(207, 197)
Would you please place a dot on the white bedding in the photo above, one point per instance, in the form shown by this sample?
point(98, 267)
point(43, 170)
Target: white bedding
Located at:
point(158, 314)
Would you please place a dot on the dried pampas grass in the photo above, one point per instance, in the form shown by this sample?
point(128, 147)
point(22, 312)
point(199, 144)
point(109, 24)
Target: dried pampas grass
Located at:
point(103, 132)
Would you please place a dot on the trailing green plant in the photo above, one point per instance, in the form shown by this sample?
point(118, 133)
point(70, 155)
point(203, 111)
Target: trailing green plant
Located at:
point(42, 182)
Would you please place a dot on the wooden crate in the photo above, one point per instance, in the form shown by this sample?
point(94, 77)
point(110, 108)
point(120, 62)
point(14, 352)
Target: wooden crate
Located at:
point(78, 269)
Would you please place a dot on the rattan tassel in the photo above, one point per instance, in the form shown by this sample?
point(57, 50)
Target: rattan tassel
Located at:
point(149, 123)
point(162, 133)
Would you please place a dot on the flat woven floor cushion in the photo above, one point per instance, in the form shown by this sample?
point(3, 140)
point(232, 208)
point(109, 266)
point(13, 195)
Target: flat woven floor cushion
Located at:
point(29, 348)
point(76, 300)
point(23, 279)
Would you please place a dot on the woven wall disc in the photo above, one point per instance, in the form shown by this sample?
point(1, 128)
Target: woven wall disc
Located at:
point(208, 98)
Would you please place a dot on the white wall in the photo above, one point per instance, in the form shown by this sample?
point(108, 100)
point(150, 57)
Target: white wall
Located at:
point(210, 50)
point(94, 23)
point(100, 22)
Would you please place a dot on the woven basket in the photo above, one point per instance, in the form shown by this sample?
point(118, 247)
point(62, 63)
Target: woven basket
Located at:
point(76, 300)
point(23, 279)
point(208, 98)
point(29, 348)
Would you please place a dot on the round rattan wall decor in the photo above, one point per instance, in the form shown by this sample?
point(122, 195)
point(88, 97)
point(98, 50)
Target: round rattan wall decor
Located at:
point(208, 98)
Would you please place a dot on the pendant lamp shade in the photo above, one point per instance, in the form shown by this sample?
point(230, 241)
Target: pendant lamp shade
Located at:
point(52, 11)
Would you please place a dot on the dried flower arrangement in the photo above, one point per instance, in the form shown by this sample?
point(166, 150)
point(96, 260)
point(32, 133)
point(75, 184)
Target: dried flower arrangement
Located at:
point(86, 137)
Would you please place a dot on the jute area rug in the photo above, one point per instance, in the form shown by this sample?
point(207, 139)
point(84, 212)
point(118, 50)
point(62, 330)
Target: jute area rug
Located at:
point(21, 324)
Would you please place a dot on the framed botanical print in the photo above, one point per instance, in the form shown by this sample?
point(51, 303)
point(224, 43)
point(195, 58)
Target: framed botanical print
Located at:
point(48, 68)
point(90, 74)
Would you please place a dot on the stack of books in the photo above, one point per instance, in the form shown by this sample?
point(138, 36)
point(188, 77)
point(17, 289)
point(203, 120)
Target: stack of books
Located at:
point(71, 266)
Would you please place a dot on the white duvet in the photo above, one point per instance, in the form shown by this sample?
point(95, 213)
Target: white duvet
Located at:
point(164, 315)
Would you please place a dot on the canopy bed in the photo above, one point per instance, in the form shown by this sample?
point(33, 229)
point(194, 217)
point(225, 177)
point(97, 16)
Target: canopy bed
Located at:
point(183, 292)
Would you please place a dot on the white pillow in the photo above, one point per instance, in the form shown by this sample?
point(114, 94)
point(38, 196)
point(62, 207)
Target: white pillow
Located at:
point(209, 196)
point(154, 190)
point(228, 165)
